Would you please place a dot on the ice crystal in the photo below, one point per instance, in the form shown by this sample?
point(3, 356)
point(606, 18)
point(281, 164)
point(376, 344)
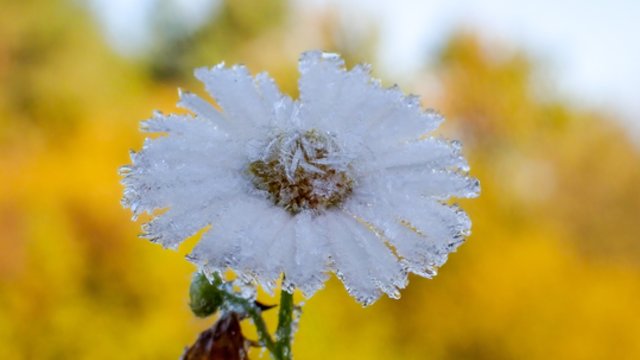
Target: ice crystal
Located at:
point(346, 179)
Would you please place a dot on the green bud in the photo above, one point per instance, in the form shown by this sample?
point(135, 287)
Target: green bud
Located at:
point(205, 297)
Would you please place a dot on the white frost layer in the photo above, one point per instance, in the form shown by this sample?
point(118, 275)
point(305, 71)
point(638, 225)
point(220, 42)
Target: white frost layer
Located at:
point(394, 222)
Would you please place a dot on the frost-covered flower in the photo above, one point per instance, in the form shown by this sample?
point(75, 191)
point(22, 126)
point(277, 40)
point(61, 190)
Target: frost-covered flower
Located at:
point(345, 179)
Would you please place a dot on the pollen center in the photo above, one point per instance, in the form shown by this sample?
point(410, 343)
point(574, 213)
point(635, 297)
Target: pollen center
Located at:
point(303, 171)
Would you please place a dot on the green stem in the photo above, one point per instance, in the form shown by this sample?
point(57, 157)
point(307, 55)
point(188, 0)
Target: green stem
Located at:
point(284, 331)
point(279, 349)
point(255, 313)
point(261, 327)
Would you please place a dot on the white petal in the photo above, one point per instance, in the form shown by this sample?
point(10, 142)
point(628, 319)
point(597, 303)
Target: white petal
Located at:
point(320, 79)
point(429, 153)
point(200, 107)
point(335, 100)
point(274, 244)
point(171, 228)
point(168, 162)
point(362, 261)
point(246, 103)
point(242, 238)
point(281, 105)
point(441, 185)
point(422, 231)
point(184, 125)
point(177, 169)
point(308, 271)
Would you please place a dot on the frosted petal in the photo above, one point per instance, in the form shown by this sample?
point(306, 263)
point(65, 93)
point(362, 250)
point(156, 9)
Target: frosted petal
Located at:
point(282, 106)
point(350, 264)
point(349, 101)
point(437, 184)
point(308, 272)
point(183, 125)
point(172, 170)
point(236, 92)
point(176, 224)
point(422, 231)
point(430, 153)
point(418, 255)
point(362, 262)
point(243, 237)
point(278, 253)
point(199, 107)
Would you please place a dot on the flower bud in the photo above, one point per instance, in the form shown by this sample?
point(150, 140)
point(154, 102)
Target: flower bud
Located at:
point(205, 297)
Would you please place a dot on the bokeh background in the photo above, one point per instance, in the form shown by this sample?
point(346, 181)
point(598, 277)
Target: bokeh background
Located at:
point(542, 94)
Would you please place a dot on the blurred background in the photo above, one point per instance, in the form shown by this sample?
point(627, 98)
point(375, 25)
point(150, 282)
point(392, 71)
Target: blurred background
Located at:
point(543, 95)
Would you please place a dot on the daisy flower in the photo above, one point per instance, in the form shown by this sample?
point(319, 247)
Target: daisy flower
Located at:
point(345, 179)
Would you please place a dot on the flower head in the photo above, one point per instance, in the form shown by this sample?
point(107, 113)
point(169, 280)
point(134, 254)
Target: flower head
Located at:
point(345, 179)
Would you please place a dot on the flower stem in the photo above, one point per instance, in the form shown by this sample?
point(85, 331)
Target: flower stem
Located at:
point(280, 349)
point(254, 312)
point(263, 333)
point(285, 324)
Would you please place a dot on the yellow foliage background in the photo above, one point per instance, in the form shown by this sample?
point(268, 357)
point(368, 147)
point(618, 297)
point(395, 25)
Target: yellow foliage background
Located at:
point(552, 270)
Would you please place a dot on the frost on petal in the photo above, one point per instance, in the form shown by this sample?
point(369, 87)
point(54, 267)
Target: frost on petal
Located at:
point(183, 126)
point(365, 265)
point(246, 102)
point(422, 230)
point(308, 271)
point(219, 247)
point(443, 227)
point(200, 107)
point(401, 196)
point(422, 154)
point(175, 172)
point(175, 225)
point(430, 167)
point(282, 106)
point(438, 184)
point(321, 77)
point(168, 172)
point(241, 238)
point(342, 101)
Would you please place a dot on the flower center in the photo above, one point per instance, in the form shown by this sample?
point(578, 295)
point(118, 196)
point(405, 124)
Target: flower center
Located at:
point(303, 171)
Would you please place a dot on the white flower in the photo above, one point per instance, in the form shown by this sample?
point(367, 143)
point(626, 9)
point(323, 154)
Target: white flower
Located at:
point(345, 179)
